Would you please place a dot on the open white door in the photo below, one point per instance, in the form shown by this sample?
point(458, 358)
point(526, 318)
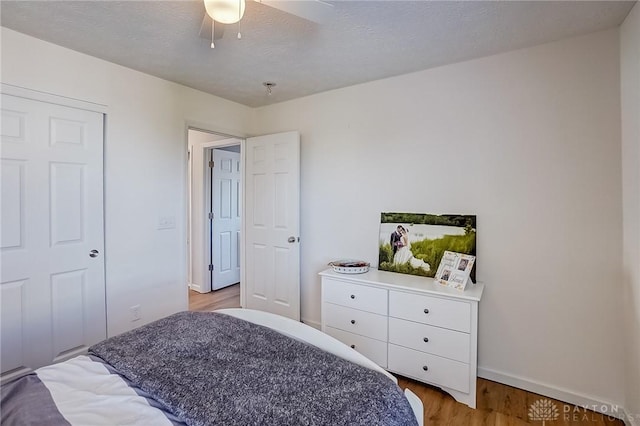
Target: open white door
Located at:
point(272, 224)
point(52, 277)
point(225, 222)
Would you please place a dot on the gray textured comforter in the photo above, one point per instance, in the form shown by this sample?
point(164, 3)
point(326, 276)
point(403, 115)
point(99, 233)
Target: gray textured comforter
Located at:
point(214, 369)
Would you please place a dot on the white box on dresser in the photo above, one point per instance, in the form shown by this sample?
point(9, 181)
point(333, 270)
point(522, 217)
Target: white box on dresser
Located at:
point(407, 324)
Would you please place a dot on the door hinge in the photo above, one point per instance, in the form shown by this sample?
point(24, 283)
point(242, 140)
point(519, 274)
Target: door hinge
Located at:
point(211, 267)
point(210, 215)
point(211, 163)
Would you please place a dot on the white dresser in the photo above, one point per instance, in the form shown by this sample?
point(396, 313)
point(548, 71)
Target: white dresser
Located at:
point(408, 325)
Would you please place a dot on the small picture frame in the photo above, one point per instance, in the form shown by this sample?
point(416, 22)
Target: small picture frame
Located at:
point(454, 269)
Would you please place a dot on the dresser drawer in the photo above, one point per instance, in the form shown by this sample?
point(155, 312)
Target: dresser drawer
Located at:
point(355, 321)
point(355, 296)
point(439, 371)
point(426, 338)
point(452, 314)
point(373, 349)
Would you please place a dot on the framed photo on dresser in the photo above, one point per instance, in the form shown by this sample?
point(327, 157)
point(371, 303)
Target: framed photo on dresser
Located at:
point(455, 269)
point(414, 243)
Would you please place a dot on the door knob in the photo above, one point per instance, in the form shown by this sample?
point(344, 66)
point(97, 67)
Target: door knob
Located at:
point(94, 253)
point(292, 239)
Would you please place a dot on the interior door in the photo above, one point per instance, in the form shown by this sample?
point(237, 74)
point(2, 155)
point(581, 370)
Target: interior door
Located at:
point(52, 278)
point(225, 247)
point(272, 218)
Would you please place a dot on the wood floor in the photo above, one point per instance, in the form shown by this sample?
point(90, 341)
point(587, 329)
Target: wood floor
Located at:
point(228, 297)
point(497, 404)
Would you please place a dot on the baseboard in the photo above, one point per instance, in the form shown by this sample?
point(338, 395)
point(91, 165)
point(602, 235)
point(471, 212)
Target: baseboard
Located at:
point(314, 324)
point(565, 395)
point(195, 287)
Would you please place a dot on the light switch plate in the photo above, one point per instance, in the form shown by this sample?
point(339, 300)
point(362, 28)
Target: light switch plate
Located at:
point(167, 222)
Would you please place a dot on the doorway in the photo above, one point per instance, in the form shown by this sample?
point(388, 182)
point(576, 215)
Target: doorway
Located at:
point(269, 212)
point(214, 210)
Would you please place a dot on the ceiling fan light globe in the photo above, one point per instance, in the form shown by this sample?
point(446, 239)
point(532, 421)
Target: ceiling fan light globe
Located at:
point(225, 11)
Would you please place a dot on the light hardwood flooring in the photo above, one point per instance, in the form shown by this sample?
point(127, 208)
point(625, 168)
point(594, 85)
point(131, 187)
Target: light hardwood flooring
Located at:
point(497, 404)
point(228, 297)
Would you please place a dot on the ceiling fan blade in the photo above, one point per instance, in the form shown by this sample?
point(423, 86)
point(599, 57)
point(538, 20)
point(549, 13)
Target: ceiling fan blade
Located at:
point(312, 10)
point(205, 29)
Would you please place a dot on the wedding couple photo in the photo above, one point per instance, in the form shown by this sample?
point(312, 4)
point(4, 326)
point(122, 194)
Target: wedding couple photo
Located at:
point(414, 243)
point(401, 247)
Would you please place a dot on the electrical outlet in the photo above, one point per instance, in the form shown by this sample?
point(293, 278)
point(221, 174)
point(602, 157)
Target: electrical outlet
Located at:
point(135, 313)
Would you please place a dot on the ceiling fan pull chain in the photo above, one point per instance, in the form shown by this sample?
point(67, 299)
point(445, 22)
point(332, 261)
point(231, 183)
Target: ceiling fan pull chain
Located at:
point(213, 21)
point(239, 18)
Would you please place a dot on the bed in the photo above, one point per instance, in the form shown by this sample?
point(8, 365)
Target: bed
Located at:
point(228, 367)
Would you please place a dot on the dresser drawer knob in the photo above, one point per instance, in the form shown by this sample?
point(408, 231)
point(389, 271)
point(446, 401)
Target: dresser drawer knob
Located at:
point(353, 346)
point(426, 311)
point(353, 321)
point(425, 368)
point(426, 340)
point(353, 296)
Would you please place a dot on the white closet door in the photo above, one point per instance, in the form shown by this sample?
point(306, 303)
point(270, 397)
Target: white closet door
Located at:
point(52, 285)
point(226, 218)
point(272, 212)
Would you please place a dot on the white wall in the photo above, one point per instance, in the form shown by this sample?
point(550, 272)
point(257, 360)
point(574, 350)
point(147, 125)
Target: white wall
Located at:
point(145, 165)
point(630, 101)
point(529, 141)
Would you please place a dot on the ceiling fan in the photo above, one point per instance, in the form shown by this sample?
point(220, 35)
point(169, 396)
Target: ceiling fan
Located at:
point(231, 11)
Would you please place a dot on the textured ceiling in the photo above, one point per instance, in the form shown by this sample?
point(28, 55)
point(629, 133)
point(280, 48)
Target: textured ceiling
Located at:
point(363, 40)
